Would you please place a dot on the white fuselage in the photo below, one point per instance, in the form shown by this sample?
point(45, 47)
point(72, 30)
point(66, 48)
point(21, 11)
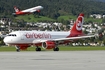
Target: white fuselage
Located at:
point(30, 37)
point(33, 9)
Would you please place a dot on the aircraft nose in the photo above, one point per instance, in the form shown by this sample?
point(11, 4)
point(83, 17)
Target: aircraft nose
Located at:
point(6, 40)
point(41, 7)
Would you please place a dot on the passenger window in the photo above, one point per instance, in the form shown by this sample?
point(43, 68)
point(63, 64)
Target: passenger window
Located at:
point(11, 35)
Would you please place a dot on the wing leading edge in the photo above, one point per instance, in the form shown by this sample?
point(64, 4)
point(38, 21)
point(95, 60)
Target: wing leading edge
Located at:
point(70, 38)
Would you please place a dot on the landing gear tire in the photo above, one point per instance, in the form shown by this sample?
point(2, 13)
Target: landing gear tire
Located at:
point(56, 49)
point(18, 50)
point(38, 49)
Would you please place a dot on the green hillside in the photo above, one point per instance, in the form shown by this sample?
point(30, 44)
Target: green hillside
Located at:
point(69, 17)
point(32, 18)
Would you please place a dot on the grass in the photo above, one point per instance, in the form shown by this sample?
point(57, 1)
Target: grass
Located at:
point(6, 48)
point(62, 48)
point(69, 17)
point(31, 18)
point(93, 19)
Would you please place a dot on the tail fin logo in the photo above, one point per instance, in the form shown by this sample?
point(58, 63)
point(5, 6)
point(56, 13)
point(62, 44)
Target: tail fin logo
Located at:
point(79, 23)
point(16, 9)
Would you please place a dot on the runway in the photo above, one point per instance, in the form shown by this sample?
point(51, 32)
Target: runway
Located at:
point(50, 60)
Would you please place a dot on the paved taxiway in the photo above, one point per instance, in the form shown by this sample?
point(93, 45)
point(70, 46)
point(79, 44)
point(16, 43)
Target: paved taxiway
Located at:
point(46, 60)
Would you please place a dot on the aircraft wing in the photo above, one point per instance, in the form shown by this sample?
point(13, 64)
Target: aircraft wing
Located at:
point(63, 39)
point(73, 38)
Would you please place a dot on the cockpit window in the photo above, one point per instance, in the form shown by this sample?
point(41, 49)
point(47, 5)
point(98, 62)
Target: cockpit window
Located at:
point(11, 35)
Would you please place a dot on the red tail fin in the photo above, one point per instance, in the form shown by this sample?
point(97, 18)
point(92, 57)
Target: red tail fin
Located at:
point(16, 9)
point(77, 27)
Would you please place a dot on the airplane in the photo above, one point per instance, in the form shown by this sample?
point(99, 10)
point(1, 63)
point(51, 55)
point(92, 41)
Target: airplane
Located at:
point(46, 39)
point(27, 11)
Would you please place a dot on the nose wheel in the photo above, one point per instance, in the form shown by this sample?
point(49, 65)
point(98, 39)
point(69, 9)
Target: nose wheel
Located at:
point(17, 48)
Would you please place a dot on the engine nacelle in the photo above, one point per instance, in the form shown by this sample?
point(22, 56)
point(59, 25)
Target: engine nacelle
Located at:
point(38, 11)
point(49, 45)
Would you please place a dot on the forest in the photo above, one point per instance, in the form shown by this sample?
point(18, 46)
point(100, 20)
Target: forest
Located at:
point(54, 8)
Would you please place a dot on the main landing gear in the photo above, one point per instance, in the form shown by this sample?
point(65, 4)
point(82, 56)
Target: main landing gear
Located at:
point(38, 49)
point(56, 49)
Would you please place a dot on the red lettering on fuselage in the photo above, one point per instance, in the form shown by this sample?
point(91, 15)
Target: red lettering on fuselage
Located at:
point(38, 35)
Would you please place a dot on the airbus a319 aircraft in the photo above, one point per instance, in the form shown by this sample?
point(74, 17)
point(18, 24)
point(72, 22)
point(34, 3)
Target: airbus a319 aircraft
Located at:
point(47, 39)
point(27, 11)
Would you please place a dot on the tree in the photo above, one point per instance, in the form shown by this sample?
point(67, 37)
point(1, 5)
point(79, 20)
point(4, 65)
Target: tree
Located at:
point(103, 20)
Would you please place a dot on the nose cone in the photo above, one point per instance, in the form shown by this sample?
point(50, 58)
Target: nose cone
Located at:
point(40, 7)
point(5, 40)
